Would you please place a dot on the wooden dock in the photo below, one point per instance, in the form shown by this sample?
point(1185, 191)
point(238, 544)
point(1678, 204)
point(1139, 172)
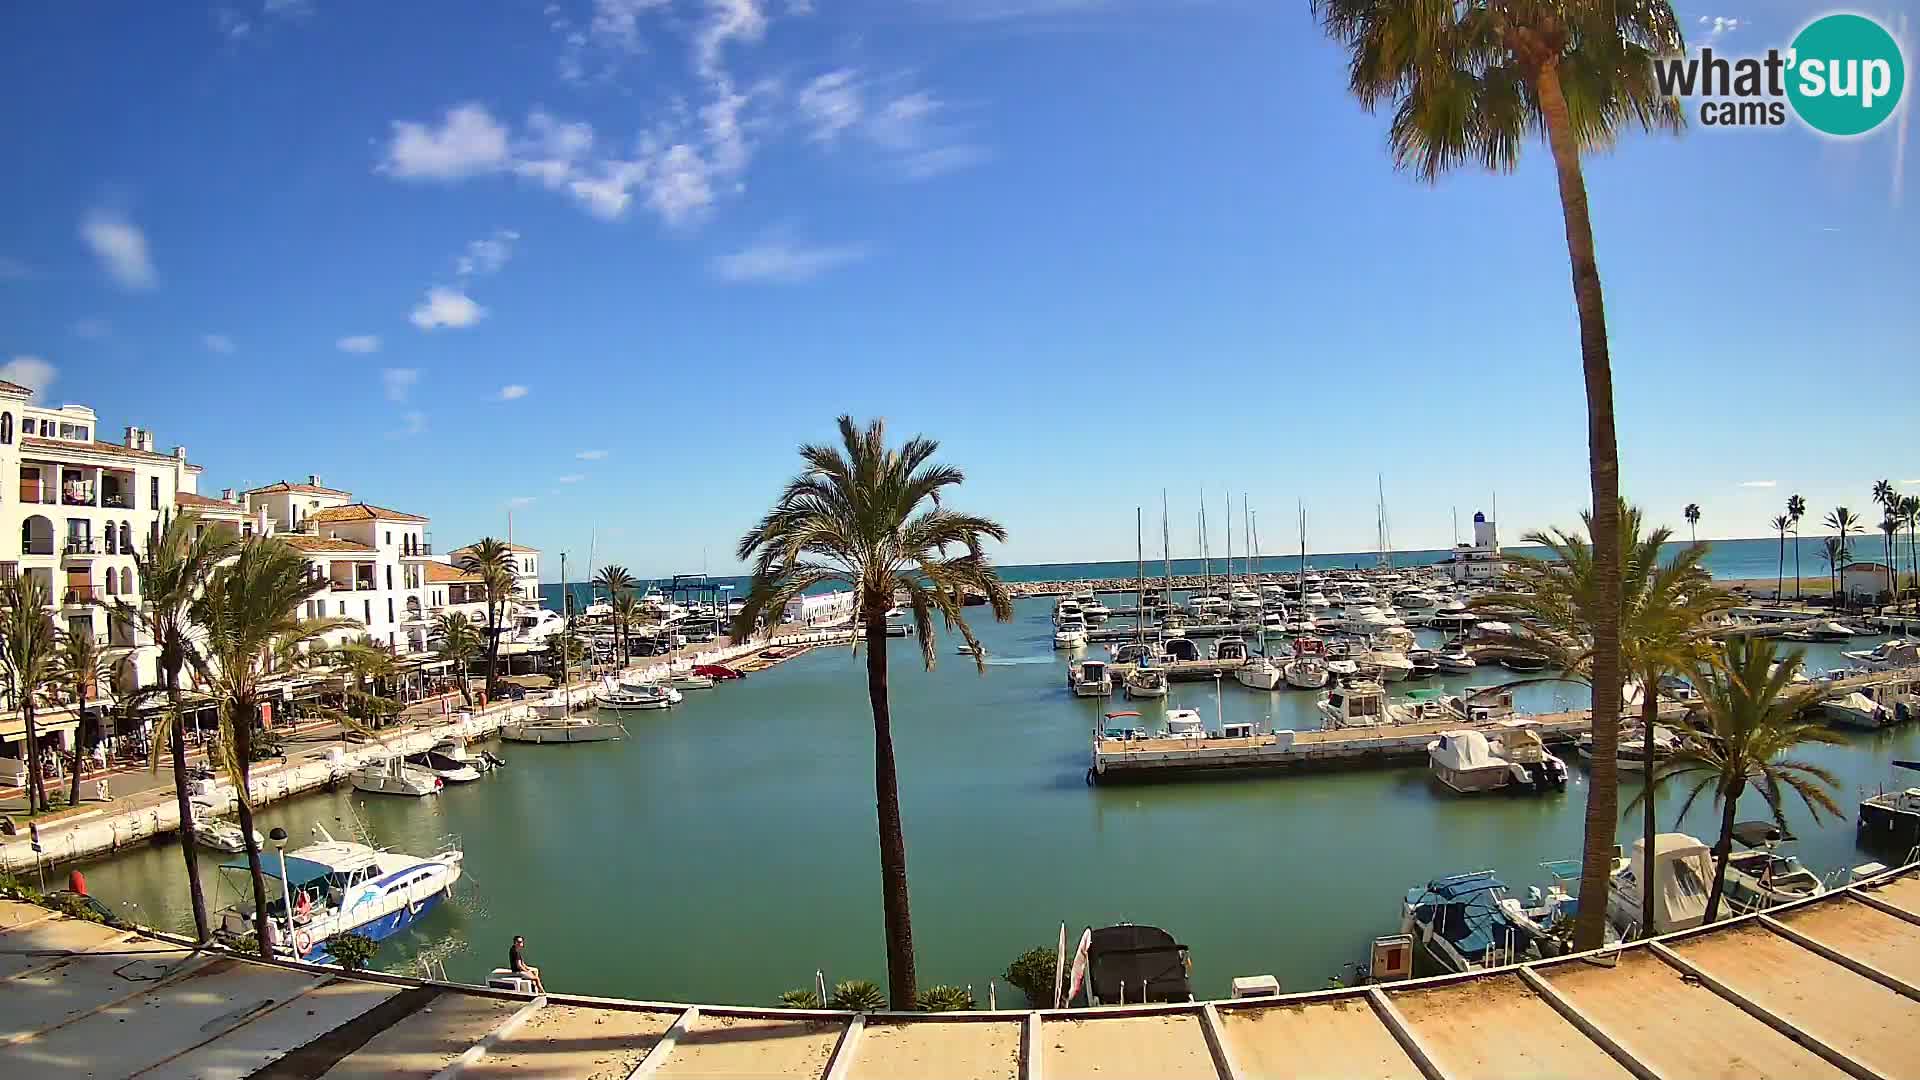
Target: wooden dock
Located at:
point(1828, 987)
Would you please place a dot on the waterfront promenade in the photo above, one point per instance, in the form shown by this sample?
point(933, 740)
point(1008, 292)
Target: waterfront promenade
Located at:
point(1824, 988)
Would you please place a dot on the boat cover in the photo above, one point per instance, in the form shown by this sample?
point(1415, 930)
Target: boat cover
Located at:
point(1137, 956)
point(1464, 751)
point(299, 871)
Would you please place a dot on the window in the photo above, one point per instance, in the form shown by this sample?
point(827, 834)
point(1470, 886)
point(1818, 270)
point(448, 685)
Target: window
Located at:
point(389, 537)
point(111, 535)
point(389, 577)
point(389, 608)
point(366, 610)
point(153, 493)
point(110, 583)
point(6, 427)
point(126, 538)
point(126, 580)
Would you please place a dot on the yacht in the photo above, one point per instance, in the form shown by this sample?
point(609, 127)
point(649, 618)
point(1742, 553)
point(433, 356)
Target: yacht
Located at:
point(1071, 634)
point(339, 887)
point(1185, 724)
point(393, 776)
point(1511, 757)
point(1390, 666)
point(1425, 664)
point(1090, 678)
point(1273, 622)
point(1355, 704)
point(1067, 608)
point(1231, 647)
point(1316, 599)
point(1308, 668)
point(1179, 648)
point(1482, 705)
point(1875, 706)
point(445, 766)
point(1683, 869)
point(1887, 654)
point(637, 697)
point(1093, 611)
point(1760, 878)
point(1468, 922)
point(1146, 682)
point(1259, 673)
point(1832, 631)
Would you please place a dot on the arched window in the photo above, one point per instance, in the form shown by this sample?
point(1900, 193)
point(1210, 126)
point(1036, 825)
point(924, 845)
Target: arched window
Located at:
point(109, 582)
point(126, 537)
point(110, 539)
point(6, 427)
point(126, 580)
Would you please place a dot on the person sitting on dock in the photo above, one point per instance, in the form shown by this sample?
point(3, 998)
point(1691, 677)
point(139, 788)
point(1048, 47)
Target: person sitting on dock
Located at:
point(517, 963)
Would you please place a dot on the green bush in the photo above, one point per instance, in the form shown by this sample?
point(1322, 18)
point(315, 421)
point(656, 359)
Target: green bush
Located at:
point(1032, 974)
point(800, 999)
point(858, 995)
point(944, 999)
point(352, 951)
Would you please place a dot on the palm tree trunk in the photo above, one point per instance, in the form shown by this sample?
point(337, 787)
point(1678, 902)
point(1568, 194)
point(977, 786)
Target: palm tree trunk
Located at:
point(493, 649)
point(1780, 575)
point(1649, 712)
point(189, 852)
point(1721, 851)
point(1603, 466)
point(243, 755)
point(80, 695)
point(36, 783)
point(901, 990)
point(1796, 565)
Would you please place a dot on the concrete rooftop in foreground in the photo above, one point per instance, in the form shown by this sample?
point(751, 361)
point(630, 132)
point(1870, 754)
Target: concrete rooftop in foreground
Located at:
point(1826, 988)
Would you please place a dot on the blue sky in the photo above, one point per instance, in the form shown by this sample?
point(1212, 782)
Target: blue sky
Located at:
point(607, 263)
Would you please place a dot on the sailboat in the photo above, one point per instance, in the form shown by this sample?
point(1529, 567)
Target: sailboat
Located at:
point(1144, 681)
point(1259, 672)
point(553, 720)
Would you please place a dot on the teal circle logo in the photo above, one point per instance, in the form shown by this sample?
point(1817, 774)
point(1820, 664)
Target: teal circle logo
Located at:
point(1846, 75)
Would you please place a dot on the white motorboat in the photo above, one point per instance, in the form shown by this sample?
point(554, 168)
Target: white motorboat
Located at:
point(1682, 870)
point(1230, 647)
point(965, 649)
point(1456, 660)
point(1273, 622)
point(1071, 634)
point(1093, 611)
point(1354, 704)
point(1090, 678)
point(637, 697)
point(1185, 724)
point(337, 887)
point(1132, 652)
point(1830, 630)
point(1465, 761)
point(1391, 666)
point(1259, 673)
point(445, 766)
point(1308, 668)
point(1760, 878)
point(687, 680)
point(1887, 654)
point(637, 686)
point(1316, 599)
point(1857, 710)
point(219, 833)
point(1067, 608)
point(1630, 754)
point(1146, 682)
point(393, 776)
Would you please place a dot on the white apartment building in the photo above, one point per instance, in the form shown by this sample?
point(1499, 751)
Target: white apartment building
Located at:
point(526, 571)
point(73, 519)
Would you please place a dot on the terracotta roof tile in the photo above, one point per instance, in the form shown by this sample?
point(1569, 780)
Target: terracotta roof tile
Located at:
point(439, 572)
point(360, 512)
point(201, 502)
point(300, 542)
point(308, 489)
point(15, 388)
point(509, 547)
point(115, 449)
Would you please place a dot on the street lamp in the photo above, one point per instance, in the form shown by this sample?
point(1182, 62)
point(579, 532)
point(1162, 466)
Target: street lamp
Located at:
point(279, 838)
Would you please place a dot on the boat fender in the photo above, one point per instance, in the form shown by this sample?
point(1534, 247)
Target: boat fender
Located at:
point(302, 944)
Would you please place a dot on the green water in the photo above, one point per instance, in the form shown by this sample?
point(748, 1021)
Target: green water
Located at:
point(726, 848)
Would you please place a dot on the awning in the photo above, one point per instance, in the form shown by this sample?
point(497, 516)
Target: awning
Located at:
point(15, 730)
point(299, 871)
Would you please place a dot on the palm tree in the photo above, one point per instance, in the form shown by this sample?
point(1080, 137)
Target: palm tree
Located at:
point(1910, 513)
point(493, 561)
point(1890, 525)
point(1836, 555)
point(1469, 83)
point(1796, 509)
point(873, 518)
point(458, 644)
point(617, 583)
point(1692, 514)
point(1780, 524)
point(1751, 717)
point(1843, 521)
point(171, 572)
point(373, 662)
point(626, 612)
point(28, 646)
point(1883, 494)
point(81, 663)
point(251, 631)
point(1663, 625)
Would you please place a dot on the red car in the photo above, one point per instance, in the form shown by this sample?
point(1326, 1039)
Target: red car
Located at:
point(715, 671)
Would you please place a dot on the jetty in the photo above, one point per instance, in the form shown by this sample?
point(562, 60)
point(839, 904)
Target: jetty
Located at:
point(1823, 987)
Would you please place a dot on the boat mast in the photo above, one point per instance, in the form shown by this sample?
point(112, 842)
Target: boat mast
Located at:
point(1229, 527)
point(1140, 597)
point(566, 635)
point(1206, 563)
point(1303, 555)
point(1166, 554)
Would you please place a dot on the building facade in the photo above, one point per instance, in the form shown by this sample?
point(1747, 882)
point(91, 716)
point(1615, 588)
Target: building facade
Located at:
point(373, 559)
point(1479, 561)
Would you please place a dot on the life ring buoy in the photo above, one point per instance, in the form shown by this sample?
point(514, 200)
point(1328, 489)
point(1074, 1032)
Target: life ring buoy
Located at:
point(302, 944)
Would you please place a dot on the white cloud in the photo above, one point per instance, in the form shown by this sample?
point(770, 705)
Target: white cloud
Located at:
point(219, 343)
point(907, 127)
point(446, 307)
point(29, 371)
point(93, 328)
point(573, 478)
point(1717, 26)
point(1759, 483)
point(399, 382)
point(412, 422)
point(359, 343)
point(16, 270)
point(928, 164)
point(520, 501)
point(487, 256)
point(830, 104)
point(513, 392)
point(727, 20)
point(781, 262)
point(468, 143)
point(121, 248)
point(591, 455)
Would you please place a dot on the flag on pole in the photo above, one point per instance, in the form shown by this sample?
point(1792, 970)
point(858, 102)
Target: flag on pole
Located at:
point(1059, 963)
point(1079, 976)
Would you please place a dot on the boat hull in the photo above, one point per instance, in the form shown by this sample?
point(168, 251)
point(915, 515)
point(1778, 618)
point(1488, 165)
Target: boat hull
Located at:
point(571, 733)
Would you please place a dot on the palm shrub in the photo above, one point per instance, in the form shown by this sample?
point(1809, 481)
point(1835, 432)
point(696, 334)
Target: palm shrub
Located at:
point(29, 646)
point(874, 518)
point(858, 995)
point(492, 560)
point(352, 951)
point(945, 999)
point(805, 998)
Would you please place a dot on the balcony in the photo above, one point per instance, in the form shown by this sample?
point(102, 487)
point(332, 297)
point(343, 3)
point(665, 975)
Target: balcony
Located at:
point(80, 596)
point(116, 500)
point(352, 586)
point(421, 550)
point(79, 547)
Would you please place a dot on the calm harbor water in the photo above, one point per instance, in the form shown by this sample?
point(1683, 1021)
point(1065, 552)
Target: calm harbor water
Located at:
point(726, 848)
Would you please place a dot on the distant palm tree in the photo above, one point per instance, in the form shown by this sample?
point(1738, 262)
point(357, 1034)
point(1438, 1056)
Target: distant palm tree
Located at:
point(617, 583)
point(250, 626)
point(457, 643)
point(1751, 717)
point(1843, 521)
point(28, 646)
point(1780, 524)
point(1890, 527)
point(170, 573)
point(1692, 513)
point(1884, 495)
point(873, 518)
point(1910, 513)
point(626, 612)
point(1796, 509)
point(83, 665)
point(492, 560)
point(1664, 608)
point(1469, 85)
point(1836, 556)
point(374, 669)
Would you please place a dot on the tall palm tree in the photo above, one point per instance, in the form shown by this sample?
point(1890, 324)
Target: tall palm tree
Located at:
point(1796, 509)
point(1780, 524)
point(617, 582)
point(626, 612)
point(873, 518)
point(1692, 513)
point(1469, 83)
point(83, 665)
point(1890, 526)
point(1836, 556)
point(1751, 718)
point(28, 646)
point(171, 572)
point(250, 632)
point(457, 644)
point(1884, 495)
point(1842, 521)
point(492, 560)
point(1664, 608)
point(1888, 500)
point(1910, 513)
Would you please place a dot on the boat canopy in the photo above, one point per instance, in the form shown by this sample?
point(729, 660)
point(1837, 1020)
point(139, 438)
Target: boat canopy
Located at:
point(1465, 751)
point(300, 872)
point(1464, 909)
point(1139, 961)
